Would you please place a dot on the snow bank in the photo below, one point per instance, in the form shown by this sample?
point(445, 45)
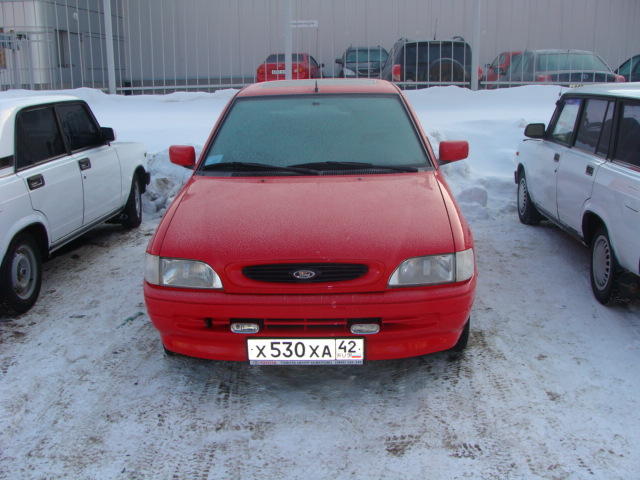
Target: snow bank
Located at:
point(492, 121)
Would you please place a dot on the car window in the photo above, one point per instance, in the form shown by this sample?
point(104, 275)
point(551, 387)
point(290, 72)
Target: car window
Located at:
point(625, 68)
point(313, 61)
point(549, 62)
point(605, 136)
point(318, 128)
point(591, 123)
point(636, 66)
point(564, 127)
point(78, 127)
point(628, 141)
point(279, 58)
point(38, 137)
point(363, 55)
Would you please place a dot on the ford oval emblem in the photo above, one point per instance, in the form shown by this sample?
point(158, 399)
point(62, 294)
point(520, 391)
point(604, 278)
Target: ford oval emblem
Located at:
point(304, 274)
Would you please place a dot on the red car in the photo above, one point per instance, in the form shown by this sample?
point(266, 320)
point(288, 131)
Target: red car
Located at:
point(316, 228)
point(498, 67)
point(273, 68)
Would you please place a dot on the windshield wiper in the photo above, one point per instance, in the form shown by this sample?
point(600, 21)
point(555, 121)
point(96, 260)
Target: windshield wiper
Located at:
point(255, 167)
point(331, 165)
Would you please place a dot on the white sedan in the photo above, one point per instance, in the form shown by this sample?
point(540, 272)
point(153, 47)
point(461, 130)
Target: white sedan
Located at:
point(582, 172)
point(60, 175)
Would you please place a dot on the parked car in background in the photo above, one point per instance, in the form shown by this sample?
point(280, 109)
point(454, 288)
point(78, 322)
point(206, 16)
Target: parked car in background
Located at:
point(498, 67)
point(564, 67)
point(429, 62)
point(337, 242)
point(583, 173)
point(60, 175)
point(630, 69)
point(362, 62)
point(303, 66)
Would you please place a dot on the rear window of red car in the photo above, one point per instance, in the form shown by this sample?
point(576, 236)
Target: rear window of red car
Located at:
point(290, 130)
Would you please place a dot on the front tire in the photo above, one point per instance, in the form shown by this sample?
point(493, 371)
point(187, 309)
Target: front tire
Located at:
point(21, 274)
point(463, 341)
point(527, 212)
point(604, 267)
point(132, 213)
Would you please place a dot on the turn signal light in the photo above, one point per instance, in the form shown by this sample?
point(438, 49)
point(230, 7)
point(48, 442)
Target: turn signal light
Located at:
point(242, 327)
point(365, 328)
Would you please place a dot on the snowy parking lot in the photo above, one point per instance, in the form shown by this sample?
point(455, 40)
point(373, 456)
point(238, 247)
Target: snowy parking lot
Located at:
point(548, 387)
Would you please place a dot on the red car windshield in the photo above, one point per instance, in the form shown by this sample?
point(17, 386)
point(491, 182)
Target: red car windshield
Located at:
point(304, 129)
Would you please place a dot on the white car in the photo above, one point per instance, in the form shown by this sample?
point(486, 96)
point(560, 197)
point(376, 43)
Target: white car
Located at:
point(582, 172)
point(60, 175)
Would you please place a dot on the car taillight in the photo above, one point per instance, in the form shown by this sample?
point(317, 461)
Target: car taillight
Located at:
point(480, 72)
point(396, 72)
point(620, 78)
point(543, 78)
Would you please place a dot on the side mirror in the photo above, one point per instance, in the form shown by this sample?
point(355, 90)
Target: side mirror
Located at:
point(107, 134)
point(453, 151)
point(182, 155)
point(535, 130)
point(339, 61)
point(322, 65)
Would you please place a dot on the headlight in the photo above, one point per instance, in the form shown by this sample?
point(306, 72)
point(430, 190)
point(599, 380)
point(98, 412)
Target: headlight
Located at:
point(173, 272)
point(434, 269)
point(348, 72)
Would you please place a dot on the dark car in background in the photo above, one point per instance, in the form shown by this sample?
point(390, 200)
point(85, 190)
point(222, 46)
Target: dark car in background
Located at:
point(362, 62)
point(429, 62)
point(303, 66)
point(630, 69)
point(565, 67)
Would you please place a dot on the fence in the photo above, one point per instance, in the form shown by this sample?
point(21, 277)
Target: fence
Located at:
point(168, 45)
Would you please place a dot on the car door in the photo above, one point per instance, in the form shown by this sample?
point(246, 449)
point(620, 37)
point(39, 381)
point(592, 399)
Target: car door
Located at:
point(546, 155)
point(619, 185)
point(52, 176)
point(96, 159)
point(579, 164)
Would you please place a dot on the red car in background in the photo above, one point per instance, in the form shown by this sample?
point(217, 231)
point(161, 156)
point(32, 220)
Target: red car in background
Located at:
point(316, 228)
point(498, 67)
point(273, 68)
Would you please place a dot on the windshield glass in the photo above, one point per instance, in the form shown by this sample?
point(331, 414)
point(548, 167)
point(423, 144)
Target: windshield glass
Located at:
point(428, 52)
point(548, 62)
point(363, 55)
point(291, 130)
point(279, 58)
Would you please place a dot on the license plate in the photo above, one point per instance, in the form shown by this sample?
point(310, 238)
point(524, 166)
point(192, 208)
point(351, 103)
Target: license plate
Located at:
point(305, 351)
point(277, 72)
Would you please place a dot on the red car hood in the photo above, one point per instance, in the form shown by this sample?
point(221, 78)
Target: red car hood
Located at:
point(379, 220)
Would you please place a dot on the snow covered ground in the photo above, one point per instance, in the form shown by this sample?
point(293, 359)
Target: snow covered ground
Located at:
point(547, 389)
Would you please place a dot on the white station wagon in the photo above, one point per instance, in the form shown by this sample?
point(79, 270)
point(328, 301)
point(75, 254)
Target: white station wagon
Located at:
point(582, 172)
point(60, 175)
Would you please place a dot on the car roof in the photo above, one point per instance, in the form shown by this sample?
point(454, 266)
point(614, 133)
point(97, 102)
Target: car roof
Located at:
point(559, 50)
point(626, 90)
point(325, 85)
point(10, 106)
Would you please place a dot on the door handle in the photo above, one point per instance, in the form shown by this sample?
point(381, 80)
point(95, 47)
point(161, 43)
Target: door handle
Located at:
point(36, 181)
point(84, 163)
point(556, 157)
point(589, 170)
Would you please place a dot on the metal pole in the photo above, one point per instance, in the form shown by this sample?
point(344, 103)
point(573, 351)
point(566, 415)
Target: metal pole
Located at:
point(108, 34)
point(288, 39)
point(475, 43)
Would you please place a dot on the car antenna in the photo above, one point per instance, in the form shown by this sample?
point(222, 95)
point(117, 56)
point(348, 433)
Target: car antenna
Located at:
point(316, 90)
point(435, 31)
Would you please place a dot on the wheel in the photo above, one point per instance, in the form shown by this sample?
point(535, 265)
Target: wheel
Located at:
point(463, 340)
point(604, 267)
point(21, 274)
point(527, 211)
point(132, 213)
point(168, 352)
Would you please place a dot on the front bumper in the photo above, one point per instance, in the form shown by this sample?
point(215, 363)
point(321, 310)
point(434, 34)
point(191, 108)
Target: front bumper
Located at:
point(413, 321)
